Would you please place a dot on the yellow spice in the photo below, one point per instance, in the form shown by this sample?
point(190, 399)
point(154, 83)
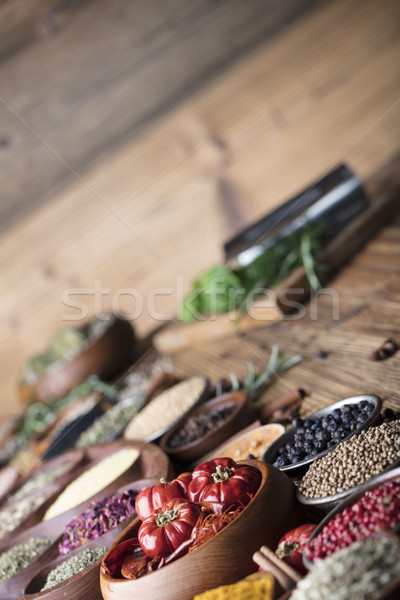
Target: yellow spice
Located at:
point(166, 408)
point(258, 589)
point(92, 481)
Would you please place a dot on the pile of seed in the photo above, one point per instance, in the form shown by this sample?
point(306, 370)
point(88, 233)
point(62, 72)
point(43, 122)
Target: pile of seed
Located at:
point(315, 434)
point(106, 427)
point(360, 571)
point(20, 557)
point(40, 480)
point(166, 408)
point(72, 566)
point(377, 509)
point(353, 461)
point(92, 481)
point(12, 516)
point(198, 425)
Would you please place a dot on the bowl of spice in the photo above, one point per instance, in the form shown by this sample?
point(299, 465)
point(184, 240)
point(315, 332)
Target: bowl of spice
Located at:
point(110, 513)
point(251, 443)
point(75, 576)
point(19, 564)
point(352, 463)
point(207, 426)
point(318, 434)
point(368, 569)
point(223, 547)
point(104, 346)
point(166, 409)
point(58, 471)
point(372, 508)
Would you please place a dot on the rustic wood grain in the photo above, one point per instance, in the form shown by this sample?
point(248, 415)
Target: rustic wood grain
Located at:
point(95, 73)
point(323, 92)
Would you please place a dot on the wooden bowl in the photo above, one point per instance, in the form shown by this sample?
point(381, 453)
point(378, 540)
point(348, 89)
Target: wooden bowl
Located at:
point(202, 397)
point(250, 442)
point(106, 357)
point(301, 467)
point(74, 458)
point(14, 587)
point(351, 499)
point(242, 415)
point(82, 586)
point(223, 559)
point(152, 463)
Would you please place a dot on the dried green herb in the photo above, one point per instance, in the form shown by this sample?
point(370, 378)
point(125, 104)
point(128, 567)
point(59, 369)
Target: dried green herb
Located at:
point(72, 566)
point(40, 480)
point(20, 557)
point(254, 383)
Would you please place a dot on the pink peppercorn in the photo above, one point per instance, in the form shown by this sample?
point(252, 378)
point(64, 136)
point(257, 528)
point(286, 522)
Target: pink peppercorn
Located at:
point(377, 510)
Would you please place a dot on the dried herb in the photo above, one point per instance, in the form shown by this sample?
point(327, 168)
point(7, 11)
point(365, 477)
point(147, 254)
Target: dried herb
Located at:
point(12, 516)
point(112, 422)
point(20, 557)
point(99, 518)
point(39, 415)
point(40, 480)
point(72, 566)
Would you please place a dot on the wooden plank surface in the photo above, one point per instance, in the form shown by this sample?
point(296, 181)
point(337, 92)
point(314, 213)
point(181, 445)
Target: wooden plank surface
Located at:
point(98, 72)
point(153, 215)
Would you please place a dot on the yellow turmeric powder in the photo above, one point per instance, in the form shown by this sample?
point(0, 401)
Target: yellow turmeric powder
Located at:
point(253, 589)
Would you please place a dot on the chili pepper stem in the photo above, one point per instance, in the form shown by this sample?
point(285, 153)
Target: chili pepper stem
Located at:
point(222, 474)
point(166, 517)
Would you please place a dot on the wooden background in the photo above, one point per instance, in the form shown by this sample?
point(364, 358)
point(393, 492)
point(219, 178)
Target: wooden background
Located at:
point(97, 193)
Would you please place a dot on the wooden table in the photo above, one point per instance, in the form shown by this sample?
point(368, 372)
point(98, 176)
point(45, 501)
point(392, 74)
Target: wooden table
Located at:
point(156, 212)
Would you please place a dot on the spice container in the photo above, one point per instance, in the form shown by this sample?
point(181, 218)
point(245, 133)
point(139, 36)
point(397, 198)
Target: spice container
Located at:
point(300, 446)
point(93, 480)
point(19, 557)
point(58, 471)
point(103, 347)
point(253, 442)
point(20, 514)
point(371, 508)
point(167, 409)
point(101, 516)
point(352, 463)
point(206, 566)
point(207, 426)
point(367, 569)
point(111, 424)
point(75, 576)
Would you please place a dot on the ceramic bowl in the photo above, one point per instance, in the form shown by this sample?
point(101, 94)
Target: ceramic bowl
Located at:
point(352, 497)
point(301, 467)
point(106, 357)
point(242, 415)
point(223, 559)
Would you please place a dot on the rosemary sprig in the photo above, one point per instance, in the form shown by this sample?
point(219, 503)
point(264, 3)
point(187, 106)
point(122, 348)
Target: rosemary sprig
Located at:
point(254, 383)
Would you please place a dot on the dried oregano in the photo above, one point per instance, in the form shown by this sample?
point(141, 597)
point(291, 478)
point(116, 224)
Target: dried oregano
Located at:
point(72, 566)
point(19, 557)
